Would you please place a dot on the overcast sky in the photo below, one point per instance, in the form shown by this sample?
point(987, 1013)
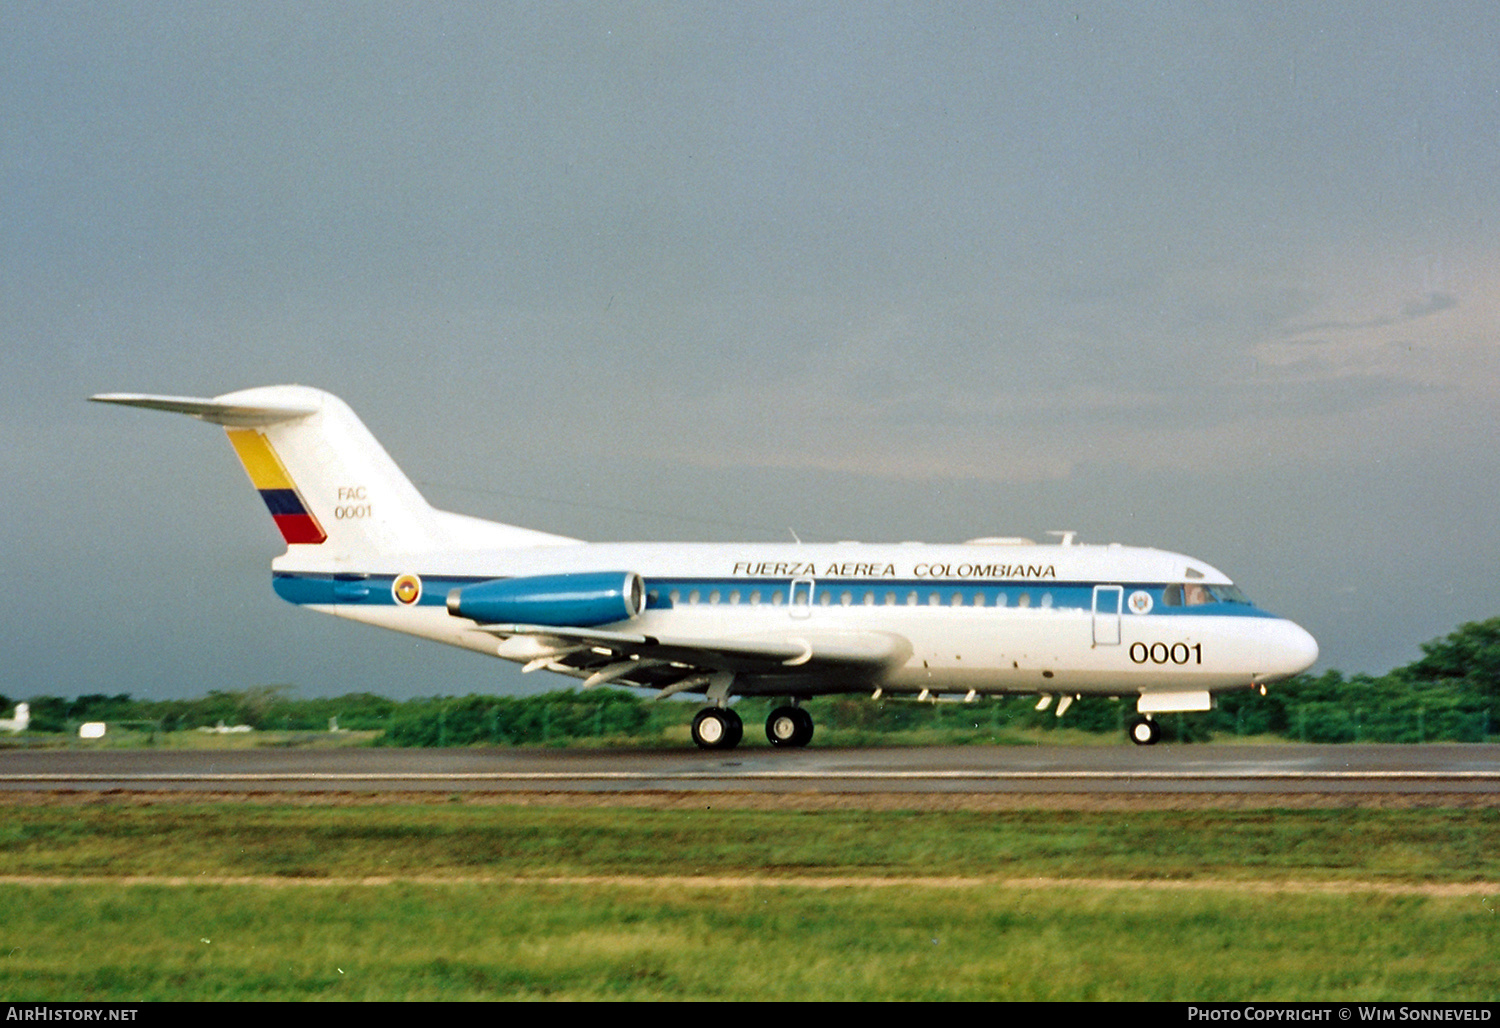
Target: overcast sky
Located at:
point(1215, 278)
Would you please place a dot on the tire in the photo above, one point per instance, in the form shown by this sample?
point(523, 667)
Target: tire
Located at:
point(805, 720)
point(717, 728)
point(789, 727)
point(1144, 732)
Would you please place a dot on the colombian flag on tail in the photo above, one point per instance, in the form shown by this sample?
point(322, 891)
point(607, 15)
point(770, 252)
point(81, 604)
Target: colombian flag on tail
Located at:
point(268, 475)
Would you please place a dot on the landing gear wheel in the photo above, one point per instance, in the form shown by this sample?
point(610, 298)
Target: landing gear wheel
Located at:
point(789, 727)
point(1144, 732)
point(717, 728)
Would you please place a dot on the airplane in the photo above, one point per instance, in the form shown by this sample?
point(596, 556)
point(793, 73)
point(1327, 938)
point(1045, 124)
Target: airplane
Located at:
point(20, 722)
point(992, 616)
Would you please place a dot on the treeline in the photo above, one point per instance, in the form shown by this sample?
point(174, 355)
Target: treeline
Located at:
point(557, 717)
point(1451, 694)
point(265, 708)
point(514, 720)
point(428, 721)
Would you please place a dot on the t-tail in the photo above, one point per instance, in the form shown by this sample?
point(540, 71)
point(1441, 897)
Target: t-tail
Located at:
point(334, 493)
point(20, 722)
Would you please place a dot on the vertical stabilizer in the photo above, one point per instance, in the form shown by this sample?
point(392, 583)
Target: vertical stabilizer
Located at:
point(20, 722)
point(326, 481)
point(334, 493)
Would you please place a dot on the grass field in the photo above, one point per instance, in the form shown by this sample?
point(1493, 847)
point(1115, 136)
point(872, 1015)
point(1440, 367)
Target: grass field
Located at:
point(469, 900)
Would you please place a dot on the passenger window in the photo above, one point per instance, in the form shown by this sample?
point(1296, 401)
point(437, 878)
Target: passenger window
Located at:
point(1047, 600)
point(754, 597)
point(1024, 600)
point(734, 596)
point(846, 598)
point(675, 596)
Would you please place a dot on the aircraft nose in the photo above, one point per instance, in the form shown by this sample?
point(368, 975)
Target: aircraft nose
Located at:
point(1296, 651)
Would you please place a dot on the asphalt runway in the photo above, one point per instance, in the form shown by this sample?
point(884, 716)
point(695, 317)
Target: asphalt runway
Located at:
point(1469, 774)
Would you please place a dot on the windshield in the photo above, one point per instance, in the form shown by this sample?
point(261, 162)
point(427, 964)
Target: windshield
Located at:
point(1196, 594)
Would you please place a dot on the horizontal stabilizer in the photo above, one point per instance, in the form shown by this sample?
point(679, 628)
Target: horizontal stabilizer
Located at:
point(233, 415)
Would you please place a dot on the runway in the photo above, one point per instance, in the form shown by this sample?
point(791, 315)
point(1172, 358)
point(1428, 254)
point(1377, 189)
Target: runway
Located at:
point(1471, 772)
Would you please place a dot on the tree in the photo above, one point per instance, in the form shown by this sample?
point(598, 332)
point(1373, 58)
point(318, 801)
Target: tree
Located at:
point(1469, 657)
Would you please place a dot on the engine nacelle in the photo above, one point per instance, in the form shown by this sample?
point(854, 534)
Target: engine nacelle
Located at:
point(582, 600)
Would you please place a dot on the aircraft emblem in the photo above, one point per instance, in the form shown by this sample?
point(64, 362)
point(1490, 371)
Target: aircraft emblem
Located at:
point(407, 589)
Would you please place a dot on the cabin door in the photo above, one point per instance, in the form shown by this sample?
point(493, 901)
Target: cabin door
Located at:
point(1107, 602)
point(802, 592)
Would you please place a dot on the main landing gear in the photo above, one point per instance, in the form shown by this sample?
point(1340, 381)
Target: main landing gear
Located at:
point(789, 727)
point(1144, 731)
point(719, 728)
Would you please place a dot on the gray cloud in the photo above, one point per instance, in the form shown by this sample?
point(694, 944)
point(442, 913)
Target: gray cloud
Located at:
point(884, 270)
point(1434, 303)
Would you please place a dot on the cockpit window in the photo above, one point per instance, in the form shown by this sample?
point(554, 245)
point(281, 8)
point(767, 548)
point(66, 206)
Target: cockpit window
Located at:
point(1196, 594)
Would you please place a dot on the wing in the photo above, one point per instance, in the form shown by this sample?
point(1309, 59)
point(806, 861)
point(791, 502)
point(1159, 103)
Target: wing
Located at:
point(783, 662)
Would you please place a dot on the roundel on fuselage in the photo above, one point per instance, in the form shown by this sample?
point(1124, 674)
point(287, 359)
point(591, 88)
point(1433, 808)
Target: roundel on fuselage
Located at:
point(407, 589)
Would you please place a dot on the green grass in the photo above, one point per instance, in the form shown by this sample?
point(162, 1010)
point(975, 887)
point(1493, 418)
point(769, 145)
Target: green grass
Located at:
point(1285, 904)
point(462, 942)
point(461, 839)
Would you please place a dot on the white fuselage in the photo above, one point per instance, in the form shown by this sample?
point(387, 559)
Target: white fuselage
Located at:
point(1066, 619)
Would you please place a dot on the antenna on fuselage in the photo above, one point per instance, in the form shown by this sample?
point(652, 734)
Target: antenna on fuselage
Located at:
point(1065, 538)
point(794, 535)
